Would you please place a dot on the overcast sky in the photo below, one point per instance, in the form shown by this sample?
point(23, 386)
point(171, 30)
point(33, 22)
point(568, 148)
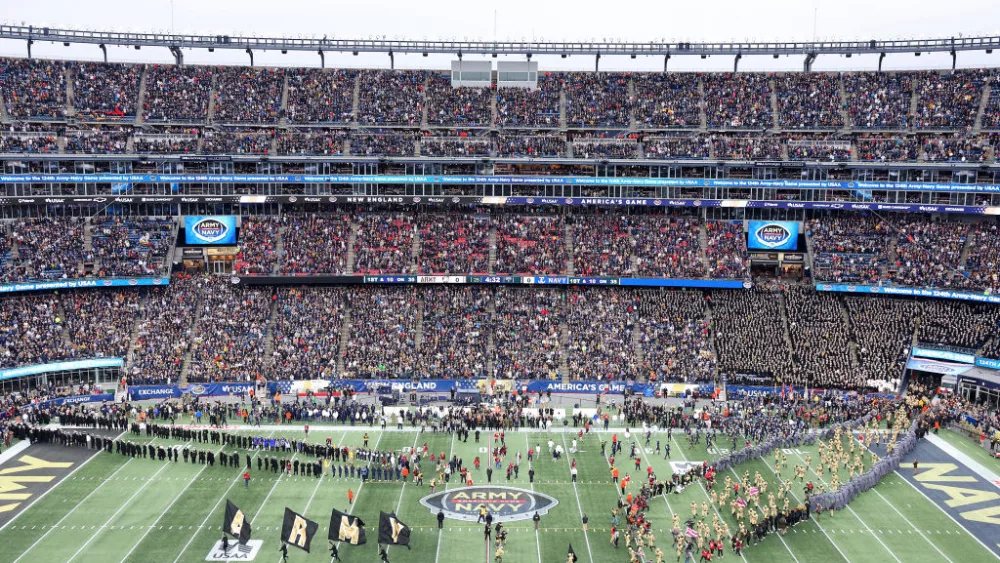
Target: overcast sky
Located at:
point(719, 20)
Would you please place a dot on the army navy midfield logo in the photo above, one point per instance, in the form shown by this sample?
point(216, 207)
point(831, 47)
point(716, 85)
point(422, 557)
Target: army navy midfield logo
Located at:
point(506, 504)
point(773, 235)
point(211, 230)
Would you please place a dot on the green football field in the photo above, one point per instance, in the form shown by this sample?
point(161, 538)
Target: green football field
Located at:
point(115, 509)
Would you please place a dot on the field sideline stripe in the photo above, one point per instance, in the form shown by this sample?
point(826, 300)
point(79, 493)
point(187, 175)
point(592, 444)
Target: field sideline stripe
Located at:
point(437, 553)
point(70, 474)
point(210, 512)
point(538, 539)
point(115, 515)
point(579, 504)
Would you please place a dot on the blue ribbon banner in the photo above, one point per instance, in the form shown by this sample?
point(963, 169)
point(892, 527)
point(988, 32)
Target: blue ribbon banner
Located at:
point(943, 355)
point(82, 283)
point(39, 369)
point(909, 292)
point(557, 280)
point(99, 398)
point(487, 180)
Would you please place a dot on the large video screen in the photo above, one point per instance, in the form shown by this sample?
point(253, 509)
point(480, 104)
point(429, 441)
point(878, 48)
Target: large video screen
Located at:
point(773, 235)
point(210, 230)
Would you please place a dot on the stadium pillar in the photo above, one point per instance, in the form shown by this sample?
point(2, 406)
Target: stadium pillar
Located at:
point(322, 59)
point(105, 51)
point(178, 55)
point(597, 63)
point(880, 57)
point(392, 60)
point(736, 62)
point(954, 59)
point(666, 59)
point(807, 66)
point(249, 52)
point(29, 48)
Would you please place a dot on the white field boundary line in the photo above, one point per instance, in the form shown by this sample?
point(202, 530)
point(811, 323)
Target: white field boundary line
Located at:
point(863, 523)
point(72, 510)
point(167, 509)
point(214, 508)
point(115, 515)
point(645, 456)
point(707, 497)
point(402, 489)
point(796, 497)
point(357, 496)
point(538, 539)
point(437, 553)
point(579, 504)
point(66, 478)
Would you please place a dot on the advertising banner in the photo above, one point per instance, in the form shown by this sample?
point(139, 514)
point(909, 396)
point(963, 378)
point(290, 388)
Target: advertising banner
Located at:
point(909, 292)
point(83, 284)
point(52, 367)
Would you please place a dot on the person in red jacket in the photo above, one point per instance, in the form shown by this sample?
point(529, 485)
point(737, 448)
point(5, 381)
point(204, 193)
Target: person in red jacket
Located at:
point(246, 479)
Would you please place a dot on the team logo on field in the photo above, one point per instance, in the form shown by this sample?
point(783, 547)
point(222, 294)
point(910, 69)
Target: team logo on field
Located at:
point(773, 235)
point(210, 230)
point(506, 504)
point(235, 552)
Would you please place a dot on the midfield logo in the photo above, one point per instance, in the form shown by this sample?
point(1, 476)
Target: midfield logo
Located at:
point(506, 504)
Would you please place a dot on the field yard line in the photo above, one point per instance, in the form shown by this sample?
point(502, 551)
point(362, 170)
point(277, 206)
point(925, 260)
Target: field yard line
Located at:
point(579, 504)
point(849, 508)
point(437, 554)
point(538, 540)
point(357, 496)
point(321, 475)
point(642, 453)
point(160, 517)
point(117, 512)
point(403, 488)
point(707, 497)
point(41, 496)
point(943, 511)
point(217, 503)
point(911, 525)
point(796, 497)
point(72, 510)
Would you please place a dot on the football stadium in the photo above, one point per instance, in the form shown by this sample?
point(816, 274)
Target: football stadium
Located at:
point(288, 287)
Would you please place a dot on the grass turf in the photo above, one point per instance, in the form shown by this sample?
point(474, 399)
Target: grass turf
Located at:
point(115, 509)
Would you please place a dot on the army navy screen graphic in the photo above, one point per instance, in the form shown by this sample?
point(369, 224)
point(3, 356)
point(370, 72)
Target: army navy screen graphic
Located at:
point(773, 235)
point(216, 229)
point(508, 504)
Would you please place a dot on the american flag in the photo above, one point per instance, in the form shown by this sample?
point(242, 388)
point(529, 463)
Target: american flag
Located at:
point(740, 502)
point(753, 491)
point(691, 533)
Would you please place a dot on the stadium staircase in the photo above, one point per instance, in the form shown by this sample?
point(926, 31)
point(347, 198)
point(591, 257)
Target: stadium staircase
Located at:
point(189, 351)
point(632, 126)
point(774, 111)
point(418, 336)
point(893, 256)
point(852, 347)
point(987, 90)
point(491, 267)
point(785, 332)
point(345, 335)
point(350, 249)
point(564, 341)
point(140, 101)
point(284, 108)
point(70, 109)
point(356, 99)
point(914, 104)
point(493, 110)
point(211, 105)
point(636, 349)
point(703, 243)
point(569, 249)
point(562, 111)
point(64, 329)
point(4, 118)
point(491, 308)
point(269, 332)
point(415, 249)
point(702, 116)
point(347, 146)
point(710, 319)
point(423, 108)
point(970, 241)
point(279, 249)
point(784, 151)
point(844, 114)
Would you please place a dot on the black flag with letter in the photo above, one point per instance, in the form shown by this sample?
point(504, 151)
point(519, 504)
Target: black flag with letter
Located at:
point(571, 556)
point(236, 523)
point(346, 528)
point(391, 531)
point(297, 530)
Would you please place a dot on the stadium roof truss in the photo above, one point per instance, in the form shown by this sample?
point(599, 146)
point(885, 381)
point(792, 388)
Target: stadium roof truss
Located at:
point(810, 50)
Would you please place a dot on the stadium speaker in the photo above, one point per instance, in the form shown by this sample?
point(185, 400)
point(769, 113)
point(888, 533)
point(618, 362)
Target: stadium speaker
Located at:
point(989, 51)
point(137, 47)
point(211, 49)
point(355, 53)
point(284, 51)
point(848, 55)
point(776, 55)
point(425, 54)
point(633, 55)
point(65, 43)
point(917, 54)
